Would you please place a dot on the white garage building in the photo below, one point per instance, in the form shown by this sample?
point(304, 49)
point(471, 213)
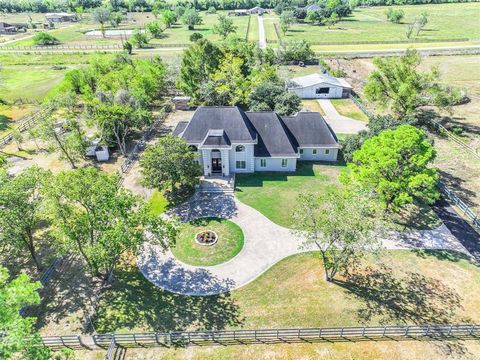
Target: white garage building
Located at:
point(320, 86)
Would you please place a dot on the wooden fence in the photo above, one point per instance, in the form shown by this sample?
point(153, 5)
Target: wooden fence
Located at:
point(139, 147)
point(467, 211)
point(459, 202)
point(264, 336)
point(47, 48)
point(24, 124)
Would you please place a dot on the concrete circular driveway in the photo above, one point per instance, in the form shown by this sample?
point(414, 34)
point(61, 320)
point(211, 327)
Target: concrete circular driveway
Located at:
point(265, 244)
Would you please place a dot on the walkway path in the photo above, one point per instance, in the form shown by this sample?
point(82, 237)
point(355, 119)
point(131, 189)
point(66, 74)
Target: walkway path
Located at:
point(262, 42)
point(340, 124)
point(265, 244)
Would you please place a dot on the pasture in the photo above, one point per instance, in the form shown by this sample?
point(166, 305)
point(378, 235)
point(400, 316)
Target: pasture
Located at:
point(445, 21)
point(74, 34)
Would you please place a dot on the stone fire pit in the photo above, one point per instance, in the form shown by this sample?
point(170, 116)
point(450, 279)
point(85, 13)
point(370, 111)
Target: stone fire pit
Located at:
point(207, 238)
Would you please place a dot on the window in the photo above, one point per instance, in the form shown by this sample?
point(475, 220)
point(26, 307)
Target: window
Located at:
point(301, 151)
point(263, 162)
point(325, 90)
point(193, 148)
point(284, 162)
point(241, 165)
point(327, 151)
point(314, 151)
point(240, 148)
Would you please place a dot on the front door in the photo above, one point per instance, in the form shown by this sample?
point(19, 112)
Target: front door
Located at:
point(217, 165)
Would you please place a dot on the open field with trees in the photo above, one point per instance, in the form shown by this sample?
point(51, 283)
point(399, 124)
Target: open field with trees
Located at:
point(178, 33)
point(445, 21)
point(458, 167)
point(57, 202)
point(292, 294)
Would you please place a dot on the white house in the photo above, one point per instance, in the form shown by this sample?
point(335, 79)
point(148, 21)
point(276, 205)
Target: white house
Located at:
point(318, 86)
point(61, 17)
point(257, 10)
point(229, 140)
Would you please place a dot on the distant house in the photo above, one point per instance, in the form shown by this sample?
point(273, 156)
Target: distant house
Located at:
point(241, 12)
point(317, 86)
point(228, 140)
point(257, 10)
point(6, 28)
point(61, 17)
point(312, 7)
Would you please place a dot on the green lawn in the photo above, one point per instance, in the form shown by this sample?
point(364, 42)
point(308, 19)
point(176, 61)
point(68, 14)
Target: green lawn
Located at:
point(399, 287)
point(229, 243)
point(275, 194)
point(158, 203)
point(446, 21)
point(179, 33)
point(29, 83)
point(253, 31)
point(347, 107)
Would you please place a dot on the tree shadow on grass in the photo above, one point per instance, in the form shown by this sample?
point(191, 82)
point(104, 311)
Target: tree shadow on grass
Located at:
point(412, 298)
point(443, 255)
point(134, 303)
point(419, 216)
point(5, 122)
point(457, 184)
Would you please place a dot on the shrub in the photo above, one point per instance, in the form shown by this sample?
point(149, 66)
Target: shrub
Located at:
point(43, 38)
point(195, 37)
point(395, 15)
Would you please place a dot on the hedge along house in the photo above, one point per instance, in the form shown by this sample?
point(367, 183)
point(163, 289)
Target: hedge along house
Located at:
point(229, 140)
point(320, 86)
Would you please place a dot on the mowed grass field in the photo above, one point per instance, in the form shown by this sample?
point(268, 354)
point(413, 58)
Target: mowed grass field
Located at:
point(28, 83)
point(75, 33)
point(445, 21)
point(399, 287)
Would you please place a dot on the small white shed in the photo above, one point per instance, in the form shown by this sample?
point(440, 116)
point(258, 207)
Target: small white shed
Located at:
point(320, 86)
point(99, 152)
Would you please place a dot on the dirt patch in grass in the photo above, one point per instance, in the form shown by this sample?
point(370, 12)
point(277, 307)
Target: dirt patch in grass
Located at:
point(347, 107)
point(312, 105)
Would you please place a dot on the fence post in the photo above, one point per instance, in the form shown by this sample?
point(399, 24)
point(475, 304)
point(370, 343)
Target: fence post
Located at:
point(471, 329)
point(428, 330)
point(406, 330)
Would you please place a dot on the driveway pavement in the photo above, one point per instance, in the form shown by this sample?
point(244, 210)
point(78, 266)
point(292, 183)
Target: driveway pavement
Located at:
point(340, 124)
point(262, 42)
point(265, 244)
point(460, 228)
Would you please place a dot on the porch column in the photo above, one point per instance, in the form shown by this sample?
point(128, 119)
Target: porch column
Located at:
point(225, 162)
point(207, 162)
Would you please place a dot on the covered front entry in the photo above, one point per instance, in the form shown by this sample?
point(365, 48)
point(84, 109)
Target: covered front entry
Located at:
point(215, 162)
point(217, 165)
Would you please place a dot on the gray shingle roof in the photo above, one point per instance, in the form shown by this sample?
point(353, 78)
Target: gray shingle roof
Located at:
point(216, 139)
point(309, 130)
point(179, 128)
point(219, 127)
point(231, 120)
point(273, 136)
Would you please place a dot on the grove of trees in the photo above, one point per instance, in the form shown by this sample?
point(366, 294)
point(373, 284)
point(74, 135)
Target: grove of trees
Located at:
point(234, 72)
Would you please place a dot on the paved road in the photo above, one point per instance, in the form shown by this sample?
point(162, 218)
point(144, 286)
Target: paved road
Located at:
point(340, 124)
point(265, 243)
point(460, 228)
point(262, 42)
